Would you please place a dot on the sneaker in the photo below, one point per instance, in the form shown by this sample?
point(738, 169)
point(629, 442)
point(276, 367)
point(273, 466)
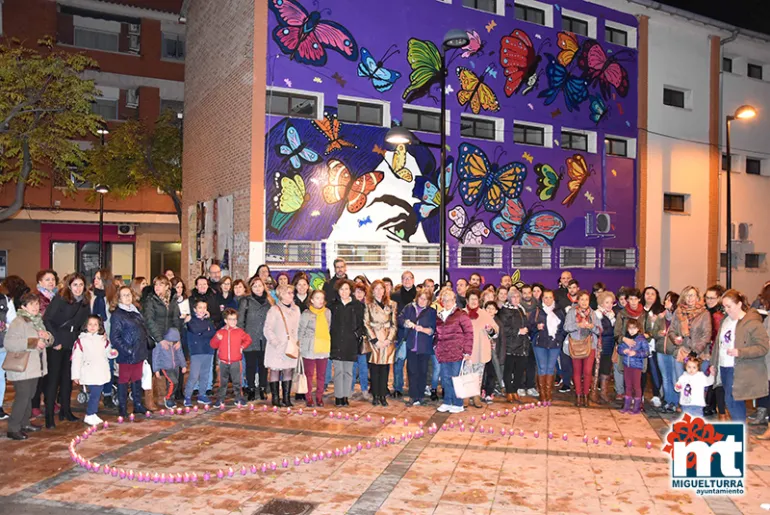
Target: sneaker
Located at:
point(532, 392)
point(209, 393)
point(416, 403)
point(444, 408)
point(671, 408)
point(488, 399)
point(239, 404)
point(456, 409)
point(168, 403)
point(559, 382)
point(217, 405)
point(187, 402)
point(522, 392)
point(4, 415)
point(656, 401)
point(35, 413)
point(195, 392)
point(202, 399)
point(565, 389)
point(92, 420)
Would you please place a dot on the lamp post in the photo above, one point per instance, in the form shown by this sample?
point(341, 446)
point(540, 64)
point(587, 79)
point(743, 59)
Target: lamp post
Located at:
point(102, 190)
point(744, 112)
point(453, 39)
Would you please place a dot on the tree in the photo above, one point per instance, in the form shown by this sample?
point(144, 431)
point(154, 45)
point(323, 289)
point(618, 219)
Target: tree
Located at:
point(138, 155)
point(45, 105)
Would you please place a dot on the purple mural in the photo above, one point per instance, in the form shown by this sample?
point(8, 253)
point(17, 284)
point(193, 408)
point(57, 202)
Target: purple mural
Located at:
point(334, 181)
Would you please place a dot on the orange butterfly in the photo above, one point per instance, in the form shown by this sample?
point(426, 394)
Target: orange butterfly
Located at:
point(330, 126)
point(343, 187)
point(476, 92)
point(578, 171)
point(569, 46)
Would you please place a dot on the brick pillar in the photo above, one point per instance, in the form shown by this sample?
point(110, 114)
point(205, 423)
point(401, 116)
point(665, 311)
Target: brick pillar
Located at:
point(149, 105)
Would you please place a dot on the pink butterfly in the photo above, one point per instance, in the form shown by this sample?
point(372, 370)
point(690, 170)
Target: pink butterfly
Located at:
point(473, 235)
point(304, 36)
point(474, 46)
point(607, 71)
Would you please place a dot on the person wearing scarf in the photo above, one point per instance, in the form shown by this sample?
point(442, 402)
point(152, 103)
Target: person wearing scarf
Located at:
point(483, 325)
point(252, 313)
point(381, 326)
point(690, 330)
point(128, 335)
point(581, 323)
point(515, 346)
point(546, 326)
point(633, 309)
point(606, 316)
point(315, 344)
point(418, 321)
point(46, 288)
point(281, 327)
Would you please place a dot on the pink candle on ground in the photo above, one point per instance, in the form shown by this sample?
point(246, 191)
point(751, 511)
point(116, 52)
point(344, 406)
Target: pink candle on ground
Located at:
point(187, 409)
point(195, 408)
point(300, 411)
point(206, 407)
point(220, 474)
point(122, 474)
point(585, 438)
point(483, 416)
point(368, 445)
point(629, 443)
point(120, 420)
point(355, 417)
point(206, 476)
point(564, 437)
point(649, 445)
point(194, 477)
point(285, 463)
point(263, 468)
point(550, 435)
point(536, 434)
point(315, 413)
point(162, 412)
point(244, 470)
point(368, 418)
point(473, 429)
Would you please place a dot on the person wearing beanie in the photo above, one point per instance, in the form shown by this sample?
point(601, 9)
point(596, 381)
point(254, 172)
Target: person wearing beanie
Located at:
point(166, 360)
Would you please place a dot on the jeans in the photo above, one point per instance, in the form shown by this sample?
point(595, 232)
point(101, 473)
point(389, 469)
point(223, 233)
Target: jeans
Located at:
point(737, 408)
point(315, 367)
point(617, 372)
point(582, 373)
point(566, 368)
point(694, 411)
point(417, 368)
point(94, 394)
point(361, 367)
point(2, 376)
point(343, 378)
point(546, 360)
point(200, 370)
point(667, 372)
point(436, 373)
point(398, 372)
point(764, 402)
point(448, 371)
point(654, 372)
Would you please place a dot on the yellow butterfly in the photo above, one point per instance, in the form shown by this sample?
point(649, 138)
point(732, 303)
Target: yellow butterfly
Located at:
point(476, 92)
point(399, 164)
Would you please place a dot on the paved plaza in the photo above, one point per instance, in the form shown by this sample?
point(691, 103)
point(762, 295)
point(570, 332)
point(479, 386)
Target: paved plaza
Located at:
point(449, 472)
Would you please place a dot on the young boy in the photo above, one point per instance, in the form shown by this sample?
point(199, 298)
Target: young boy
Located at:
point(166, 362)
point(200, 331)
point(230, 340)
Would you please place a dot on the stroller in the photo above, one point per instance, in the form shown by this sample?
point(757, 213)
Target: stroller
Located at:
point(83, 394)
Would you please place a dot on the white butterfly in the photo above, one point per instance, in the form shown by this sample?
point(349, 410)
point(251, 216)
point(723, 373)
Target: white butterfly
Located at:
point(474, 235)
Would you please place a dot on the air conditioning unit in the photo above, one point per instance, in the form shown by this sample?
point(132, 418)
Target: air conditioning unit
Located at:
point(126, 230)
point(599, 225)
point(132, 98)
point(743, 231)
point(134, 28)
point(133, 43)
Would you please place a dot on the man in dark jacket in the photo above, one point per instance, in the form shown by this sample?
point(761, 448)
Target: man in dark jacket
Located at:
point(403, 297)
point(215, 276)
point(330, 286)
point(462, 288)
point(204, 293)
point(562, 291)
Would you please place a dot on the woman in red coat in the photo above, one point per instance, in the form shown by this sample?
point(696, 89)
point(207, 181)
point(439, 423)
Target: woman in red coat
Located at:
point(454, 344)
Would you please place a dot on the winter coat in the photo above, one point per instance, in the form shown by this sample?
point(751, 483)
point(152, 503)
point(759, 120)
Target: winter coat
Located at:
point(380, 324)
point(572, 330)
point(717, 316)
point(200, 331)
point(230, 302)
point(698, 340)
point(65, 320)
point(418, 342)
point(302, 304)
point(105, 316)
point(159, 317)
point(251, 318)
point(454, 337)
point(540, 337)
point(17, 340)
point(167, 359)
point(514, 319)
point(129, 337)
point(621, 323)
point(277, 338)
point(654, 326)
point(750, 370)
point(210, 298)
point(330, 289)
point(230, 343)
point(482, 343)
point(45, 301)
point(307, 321)
point(91, 359)
point(608, 332)
point(642, 349)
point(347, 329)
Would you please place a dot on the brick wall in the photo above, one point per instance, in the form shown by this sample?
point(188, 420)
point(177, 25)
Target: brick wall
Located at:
point(218, 111)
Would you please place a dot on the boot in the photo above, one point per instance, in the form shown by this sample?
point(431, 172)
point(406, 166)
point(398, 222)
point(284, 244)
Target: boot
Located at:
point(509, 397)
point(434, 395)
point(759, 417)
point(637, 406)
point(765, 435)
point(262, 394)
point(578, 400)
point(136, 391)
point(123, 400)
point(476, 402)
point(286, 387)
point(626, 405)
point(309, 400)
point(604, 385)
point(251, 394)
point(158, 389)
point(548, 383)
point(516, 398)
point(594, 396)
point(541, 388)
point(274, 395)
point(383, 400)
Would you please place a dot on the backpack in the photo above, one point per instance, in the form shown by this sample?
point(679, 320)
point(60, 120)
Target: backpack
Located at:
point(3, 318)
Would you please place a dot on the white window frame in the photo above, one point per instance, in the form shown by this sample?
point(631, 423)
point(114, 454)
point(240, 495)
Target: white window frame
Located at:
point(499, 126)
point(383, 263)
point(499, 7)
point(732, 64)
point(591, 258)
point(361, 100)
point(630, 146)
point(418, 264)
point(736, 162)
point(179, 37)
point(592, 138)
point(291, 265)
point(498, 256)
point(547, 133)
point(687, 97)
point(763, 166)
point(547, 8)
point(545, 262)
point(318, 96)
point(630, 258)
point(629, 30)
point(432, 110)
point(591, 20)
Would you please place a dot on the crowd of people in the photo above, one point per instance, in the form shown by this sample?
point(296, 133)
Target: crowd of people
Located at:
point(274, 336)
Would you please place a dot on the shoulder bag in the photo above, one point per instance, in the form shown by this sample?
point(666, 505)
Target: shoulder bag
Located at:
point(292, 346)
point(301, 378)
point(17, 361)
point(579, 349)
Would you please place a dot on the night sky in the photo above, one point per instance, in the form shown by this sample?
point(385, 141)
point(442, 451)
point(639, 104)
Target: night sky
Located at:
point(748, 14)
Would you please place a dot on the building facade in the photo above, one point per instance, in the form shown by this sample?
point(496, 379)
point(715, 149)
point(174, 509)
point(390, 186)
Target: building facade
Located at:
point(139, 47)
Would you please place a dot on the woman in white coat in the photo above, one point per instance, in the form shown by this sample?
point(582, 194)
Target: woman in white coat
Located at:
point(281, 327)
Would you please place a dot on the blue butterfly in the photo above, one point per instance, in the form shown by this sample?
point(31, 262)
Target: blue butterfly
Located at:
point(483, 183)
point(364, 221)
point(296, 151)
point(428, 193)
point(599, 109)
point(491, 71)
point(382, 78)
point(559, 79)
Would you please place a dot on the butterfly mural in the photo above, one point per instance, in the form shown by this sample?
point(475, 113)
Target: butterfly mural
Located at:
point(304, 36)
point(474, 46)
point(465, 229)
point(519, 61)
point(330, 127)
point(398, 166)
point(382, 78)
point(568, 47)
point(604, 70)
point(527, 227)
point(425, 61)
point(428, 193)
point(343, 187)
point(598, 109)
point(475, 93)
point(560, 80)
point(578, 172)
point(291, 197)
point(548, 181)
point(295, 151)
point(483, 183)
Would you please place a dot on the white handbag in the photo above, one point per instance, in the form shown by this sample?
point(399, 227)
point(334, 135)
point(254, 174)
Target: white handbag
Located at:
point(146, 376)
point(301, 378)
point(468, 383)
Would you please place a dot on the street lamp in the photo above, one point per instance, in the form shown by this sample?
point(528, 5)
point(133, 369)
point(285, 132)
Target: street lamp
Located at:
point(102, 132)
point(453, 39)
point(744, 112)
point(102, 190)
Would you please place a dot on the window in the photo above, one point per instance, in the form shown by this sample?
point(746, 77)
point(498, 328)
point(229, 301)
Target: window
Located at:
point(674, 202)
point(489, 6)
point(530, 257)
point(616, 147)
point(291, 254)
point(173, 46)
point(365, 113)
point(488, 256)
point(673, 97)
point(727, 65)
point(754, 260)
point(619, 258)
point(96, 39)
point(425, 255)
point(754, 71)
point(724, 162)
point(574, 141)
point(574, 25)
point(163, 256)
point(478, 127)
point(577, 257)
point(422, 119)
point(616, 36)
point(363, 254)
point(528, 134)
point(289, 103)
point(753, 166)
point(723, 260)
point(530, 14)
point(107, 108)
